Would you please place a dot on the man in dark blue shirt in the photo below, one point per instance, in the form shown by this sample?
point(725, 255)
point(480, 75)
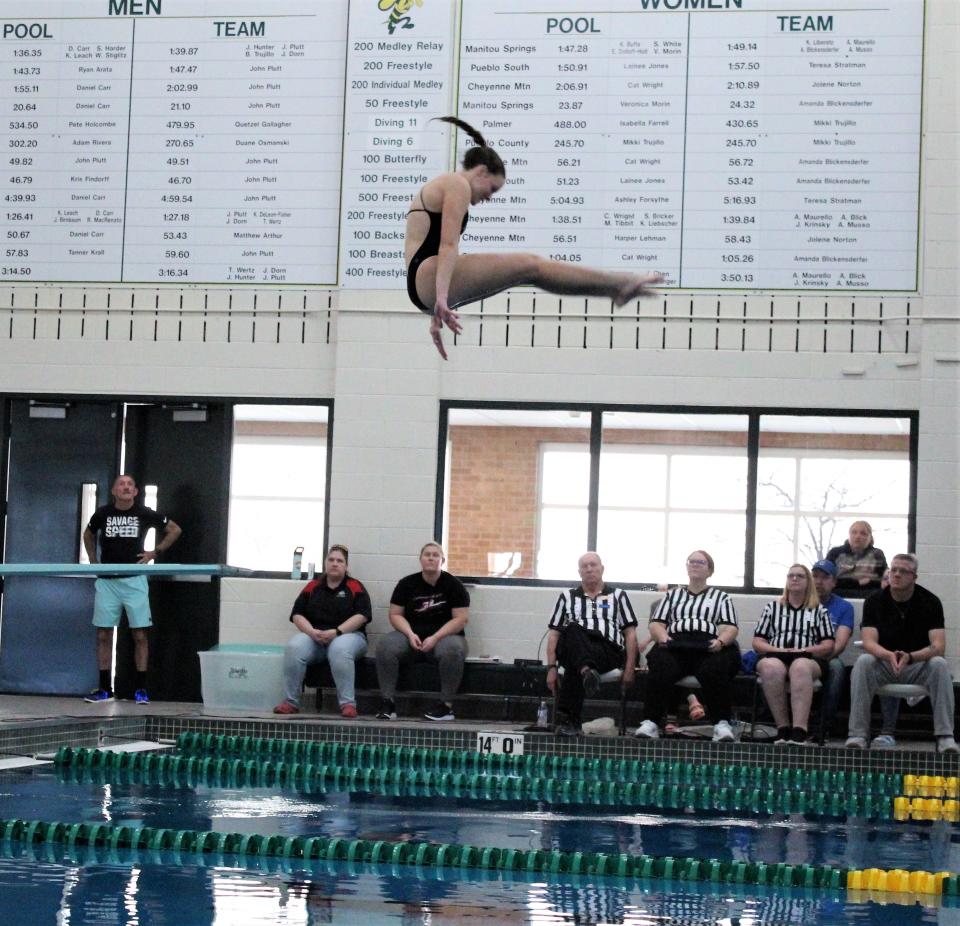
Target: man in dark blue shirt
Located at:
point(842, 617)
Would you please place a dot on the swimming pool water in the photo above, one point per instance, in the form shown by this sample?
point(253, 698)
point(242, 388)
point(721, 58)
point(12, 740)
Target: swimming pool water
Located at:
point(794, 838)
point(69, 892)
point(128, 888)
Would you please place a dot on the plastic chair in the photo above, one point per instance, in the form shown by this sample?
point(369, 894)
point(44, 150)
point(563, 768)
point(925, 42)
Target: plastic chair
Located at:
point(902, 690)
point(912, 694)
point(614, 675)
point(690, 682)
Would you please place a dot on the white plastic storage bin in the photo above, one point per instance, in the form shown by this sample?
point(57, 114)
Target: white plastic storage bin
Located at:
point(242, 677)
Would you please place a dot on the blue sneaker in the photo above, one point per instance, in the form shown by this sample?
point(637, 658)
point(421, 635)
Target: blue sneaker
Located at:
point(141, 696)
point(98, 695)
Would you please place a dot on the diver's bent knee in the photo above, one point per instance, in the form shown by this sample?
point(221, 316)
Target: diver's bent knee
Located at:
point(534, 268)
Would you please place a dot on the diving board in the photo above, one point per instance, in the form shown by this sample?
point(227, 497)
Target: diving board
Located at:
point(118, 570)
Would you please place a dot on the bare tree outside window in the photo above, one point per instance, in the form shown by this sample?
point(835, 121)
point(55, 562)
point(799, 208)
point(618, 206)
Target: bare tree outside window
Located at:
point(818, 531)
point(668, 481)
point(816, 476)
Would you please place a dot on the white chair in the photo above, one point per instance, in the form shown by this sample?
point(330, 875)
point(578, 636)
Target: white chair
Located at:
point(912, 694)
point(614, 675)
point(690, 682)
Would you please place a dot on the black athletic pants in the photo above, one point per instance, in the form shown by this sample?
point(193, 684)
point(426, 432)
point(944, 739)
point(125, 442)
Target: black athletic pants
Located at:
point(575, 649)
point(714, 671)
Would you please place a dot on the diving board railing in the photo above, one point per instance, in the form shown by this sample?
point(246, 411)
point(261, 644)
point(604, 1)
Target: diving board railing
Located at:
point(120, 570)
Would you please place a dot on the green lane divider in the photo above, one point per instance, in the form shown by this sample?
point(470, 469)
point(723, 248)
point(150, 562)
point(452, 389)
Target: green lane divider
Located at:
point(541, 766)
point(422, 854)
point(92, 765)
point(898, 887)
point(837, 788)
point(101, 843)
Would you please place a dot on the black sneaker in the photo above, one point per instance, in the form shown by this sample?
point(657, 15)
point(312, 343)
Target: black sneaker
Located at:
point(388, 710)
point(591, 682)
point(439, 711)
point(566, 725)
point(98, 696)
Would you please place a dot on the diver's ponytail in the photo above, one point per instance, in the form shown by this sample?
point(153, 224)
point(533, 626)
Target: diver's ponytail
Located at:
point(481, 153)
point(478, 139)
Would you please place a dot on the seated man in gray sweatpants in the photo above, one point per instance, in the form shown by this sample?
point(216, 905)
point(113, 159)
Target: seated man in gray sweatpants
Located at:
point(903, 641)
point(428, 611)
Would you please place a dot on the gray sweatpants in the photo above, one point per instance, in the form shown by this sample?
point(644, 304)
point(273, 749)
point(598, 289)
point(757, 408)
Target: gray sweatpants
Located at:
point(869, 673)
point(449, 654)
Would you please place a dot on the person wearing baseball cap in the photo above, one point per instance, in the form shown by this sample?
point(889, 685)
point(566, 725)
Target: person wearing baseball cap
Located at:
point(842, 617)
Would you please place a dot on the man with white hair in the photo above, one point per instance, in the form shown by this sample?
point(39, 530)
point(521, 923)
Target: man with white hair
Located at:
point(903, 641)
point(592, 630)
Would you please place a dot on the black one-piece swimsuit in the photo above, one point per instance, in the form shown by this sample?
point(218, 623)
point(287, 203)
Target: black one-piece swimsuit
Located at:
point(429, 248)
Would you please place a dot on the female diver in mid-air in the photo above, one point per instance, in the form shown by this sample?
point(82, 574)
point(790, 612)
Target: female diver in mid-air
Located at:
point(440, 279)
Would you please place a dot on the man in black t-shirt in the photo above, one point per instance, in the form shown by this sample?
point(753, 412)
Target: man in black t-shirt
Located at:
point(122, 528)
point(903, 641)
point(428, 611)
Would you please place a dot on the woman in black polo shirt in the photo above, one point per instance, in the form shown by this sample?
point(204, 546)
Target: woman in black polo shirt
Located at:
point(331, 615)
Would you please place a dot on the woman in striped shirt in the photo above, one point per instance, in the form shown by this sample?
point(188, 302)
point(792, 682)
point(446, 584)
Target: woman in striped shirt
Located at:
point(794, 640)
point(695, 631)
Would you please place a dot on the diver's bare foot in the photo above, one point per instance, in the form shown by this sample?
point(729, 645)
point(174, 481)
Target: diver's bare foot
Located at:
point(637, 286)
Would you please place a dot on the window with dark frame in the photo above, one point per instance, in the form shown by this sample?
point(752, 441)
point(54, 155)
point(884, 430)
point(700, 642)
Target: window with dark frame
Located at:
point(279, 477)
point(523, 489)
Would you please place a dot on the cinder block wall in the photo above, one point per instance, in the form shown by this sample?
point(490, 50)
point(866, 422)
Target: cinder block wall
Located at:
point(387, 380)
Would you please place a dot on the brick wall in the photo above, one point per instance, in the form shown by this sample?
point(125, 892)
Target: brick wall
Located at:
point(494, 489)
point(495, 480)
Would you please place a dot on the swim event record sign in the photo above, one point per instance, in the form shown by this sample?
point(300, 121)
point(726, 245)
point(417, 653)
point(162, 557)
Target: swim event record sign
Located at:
point(732, 144)
point(171, 142)
point(399, 57)
point(737, 144)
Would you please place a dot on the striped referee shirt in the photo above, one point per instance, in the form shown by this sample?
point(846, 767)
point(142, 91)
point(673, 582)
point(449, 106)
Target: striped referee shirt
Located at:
point(606, 615)
point(684, 611)
point(794, 628)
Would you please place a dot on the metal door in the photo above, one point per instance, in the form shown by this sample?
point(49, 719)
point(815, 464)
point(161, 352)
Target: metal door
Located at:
point(185, 452)
point(47, 641)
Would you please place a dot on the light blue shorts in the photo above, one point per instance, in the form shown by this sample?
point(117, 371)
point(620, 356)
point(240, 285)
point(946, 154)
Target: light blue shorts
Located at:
point(114, 596)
